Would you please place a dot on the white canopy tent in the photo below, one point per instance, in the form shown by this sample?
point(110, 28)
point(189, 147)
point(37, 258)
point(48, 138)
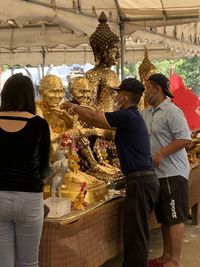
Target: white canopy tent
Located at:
point(45, 31)
point(80, 15)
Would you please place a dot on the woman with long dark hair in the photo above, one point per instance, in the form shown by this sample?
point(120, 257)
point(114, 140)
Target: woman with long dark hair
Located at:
point(25, 148)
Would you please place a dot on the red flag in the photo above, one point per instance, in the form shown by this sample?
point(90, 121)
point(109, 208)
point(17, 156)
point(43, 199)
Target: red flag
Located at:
point(185, 100)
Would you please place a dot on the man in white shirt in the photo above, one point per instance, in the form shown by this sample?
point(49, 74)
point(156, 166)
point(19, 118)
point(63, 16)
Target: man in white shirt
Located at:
point(169, 135)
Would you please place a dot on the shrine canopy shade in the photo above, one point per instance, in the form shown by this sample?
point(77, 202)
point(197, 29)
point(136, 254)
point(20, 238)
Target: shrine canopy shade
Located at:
point(28, 28)
point(81, 16)
point(47, 45)
point(81, 55)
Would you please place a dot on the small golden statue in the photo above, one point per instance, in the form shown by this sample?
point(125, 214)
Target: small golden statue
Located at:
point(146, 69)
point(79, 202)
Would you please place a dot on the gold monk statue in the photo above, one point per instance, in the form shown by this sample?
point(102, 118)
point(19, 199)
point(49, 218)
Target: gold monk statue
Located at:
point(61, 124)
point(52, 94)
point(96, 165)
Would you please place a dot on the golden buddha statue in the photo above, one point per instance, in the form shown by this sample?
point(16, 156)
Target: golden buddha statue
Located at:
point(146, 69)
point(105, 46)
point(62, 124)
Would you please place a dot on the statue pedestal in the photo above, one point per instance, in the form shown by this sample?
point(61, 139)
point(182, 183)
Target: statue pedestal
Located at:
point(94, 194)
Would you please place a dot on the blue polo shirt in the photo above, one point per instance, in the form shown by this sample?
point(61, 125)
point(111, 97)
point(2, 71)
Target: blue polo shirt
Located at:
point(131, 139)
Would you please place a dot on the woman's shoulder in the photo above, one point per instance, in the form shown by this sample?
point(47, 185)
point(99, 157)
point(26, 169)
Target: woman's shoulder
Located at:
point(39, 120)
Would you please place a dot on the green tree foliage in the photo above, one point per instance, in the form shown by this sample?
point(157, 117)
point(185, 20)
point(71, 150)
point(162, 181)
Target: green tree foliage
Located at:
point(187, 68)
point(130, 69)
point(5, 67)
point(190, 71)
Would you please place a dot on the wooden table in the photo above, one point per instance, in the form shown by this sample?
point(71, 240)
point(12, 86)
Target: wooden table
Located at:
point(194, 193)
point(86, 240)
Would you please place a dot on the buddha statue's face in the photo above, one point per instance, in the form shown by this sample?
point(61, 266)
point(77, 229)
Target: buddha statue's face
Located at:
point(80, 90)
point(51, 90)
point(111, 55)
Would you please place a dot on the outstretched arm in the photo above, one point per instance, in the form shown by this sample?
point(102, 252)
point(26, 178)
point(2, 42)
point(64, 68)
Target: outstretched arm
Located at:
point(94, 118)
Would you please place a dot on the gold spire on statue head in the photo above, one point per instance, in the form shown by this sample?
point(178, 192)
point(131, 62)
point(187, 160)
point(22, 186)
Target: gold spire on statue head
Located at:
point(103, 41)
point(146, 68)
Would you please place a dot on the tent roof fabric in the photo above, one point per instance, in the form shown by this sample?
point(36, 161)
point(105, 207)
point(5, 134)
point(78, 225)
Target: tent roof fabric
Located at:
point(37, 25)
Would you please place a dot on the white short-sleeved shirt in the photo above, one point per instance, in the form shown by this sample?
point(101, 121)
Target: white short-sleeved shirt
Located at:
point(165, 124)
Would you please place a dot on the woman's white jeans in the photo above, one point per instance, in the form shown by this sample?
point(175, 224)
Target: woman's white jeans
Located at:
point(21, 221)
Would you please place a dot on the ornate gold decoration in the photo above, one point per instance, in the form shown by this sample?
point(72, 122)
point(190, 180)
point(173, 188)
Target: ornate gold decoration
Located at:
point(104, 41)
point(193, 149)
point(146, 68)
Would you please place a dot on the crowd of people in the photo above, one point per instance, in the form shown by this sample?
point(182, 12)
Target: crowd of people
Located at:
point(151, 149)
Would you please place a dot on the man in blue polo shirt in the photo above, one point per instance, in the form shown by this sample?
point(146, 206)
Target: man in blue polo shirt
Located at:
point(133, 147)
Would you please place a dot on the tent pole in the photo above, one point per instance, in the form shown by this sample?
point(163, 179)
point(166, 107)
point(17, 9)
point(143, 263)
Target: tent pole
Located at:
point(122, 48)
point(121, 29)
point(43, 61)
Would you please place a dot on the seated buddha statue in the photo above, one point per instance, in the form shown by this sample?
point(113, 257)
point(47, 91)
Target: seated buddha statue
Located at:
point(61, 123)
point(89, 137)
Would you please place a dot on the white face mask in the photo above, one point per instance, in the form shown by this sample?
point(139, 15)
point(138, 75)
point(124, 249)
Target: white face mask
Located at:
point(150, 99)
point(119, 103)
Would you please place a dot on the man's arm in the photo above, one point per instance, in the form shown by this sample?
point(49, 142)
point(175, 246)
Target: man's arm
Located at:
point(94, 118)
point(173, 147)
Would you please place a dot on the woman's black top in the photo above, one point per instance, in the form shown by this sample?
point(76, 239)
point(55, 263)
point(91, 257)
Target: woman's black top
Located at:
point(24, 154)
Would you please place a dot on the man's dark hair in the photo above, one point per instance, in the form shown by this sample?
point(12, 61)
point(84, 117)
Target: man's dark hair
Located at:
point(18, 94)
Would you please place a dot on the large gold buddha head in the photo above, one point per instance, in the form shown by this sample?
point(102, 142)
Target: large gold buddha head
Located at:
point(105, 44)
point(146, 68)
point(81, 91)
point(51, 90)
